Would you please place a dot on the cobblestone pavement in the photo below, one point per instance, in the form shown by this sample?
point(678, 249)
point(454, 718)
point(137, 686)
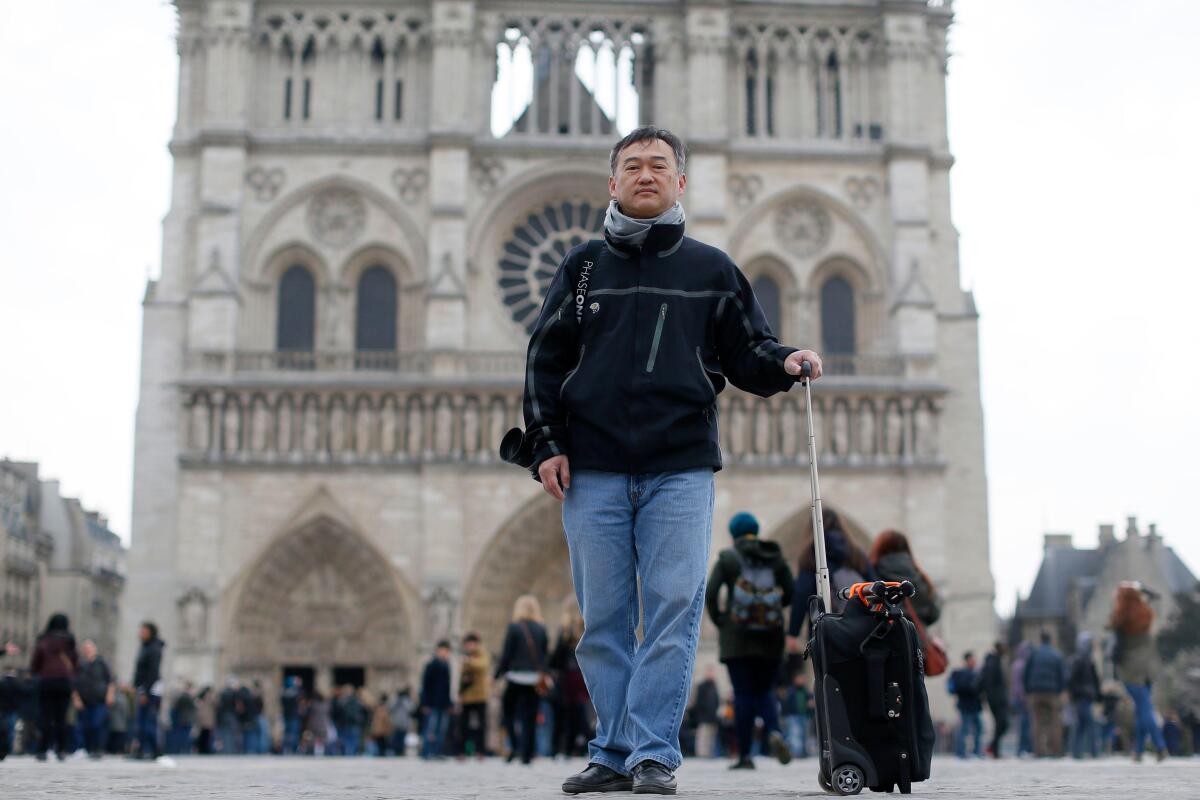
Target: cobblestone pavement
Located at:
point(194, 778)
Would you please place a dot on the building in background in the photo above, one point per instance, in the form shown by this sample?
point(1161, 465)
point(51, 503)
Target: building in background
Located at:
point(87, 570)
point(25, 551)
point(369, 200)
point(57, 557)
point(1075, 587)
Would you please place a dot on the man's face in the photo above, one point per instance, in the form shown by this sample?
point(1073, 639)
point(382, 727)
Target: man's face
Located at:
point(647, 181)
point(971, 662)
point(469, 646)
point(144, 634)
point(88, 650)
point(443, 653)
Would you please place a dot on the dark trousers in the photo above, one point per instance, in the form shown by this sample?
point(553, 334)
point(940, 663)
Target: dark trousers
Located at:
point(753, 682)
point(204, 742)
point(570, 722)
point(398, 743)
point(147, 725)
point(93, 721)
point(474, 728)
point(55, 697)
point(521, 703)
point(1000, 717)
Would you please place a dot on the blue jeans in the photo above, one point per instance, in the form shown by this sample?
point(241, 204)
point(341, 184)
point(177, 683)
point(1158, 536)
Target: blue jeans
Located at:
point(797, 728)
point(291, 735)
point(433, 732)
point(1085, 731)
point(972, 722)
point(1144, 722)
point(93, 724)
point(620, 528)
point(147, 724)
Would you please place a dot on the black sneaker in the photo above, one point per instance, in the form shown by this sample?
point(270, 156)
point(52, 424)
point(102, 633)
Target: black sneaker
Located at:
point(597, 778)
point(742, 763)
point(651, 777)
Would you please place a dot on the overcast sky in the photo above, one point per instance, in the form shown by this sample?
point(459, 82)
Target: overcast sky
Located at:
point(1074, 124)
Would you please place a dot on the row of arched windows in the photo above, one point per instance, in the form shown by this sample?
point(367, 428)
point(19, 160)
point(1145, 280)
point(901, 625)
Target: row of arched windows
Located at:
point(836, 312)
point(375, 311)
point(374, 318)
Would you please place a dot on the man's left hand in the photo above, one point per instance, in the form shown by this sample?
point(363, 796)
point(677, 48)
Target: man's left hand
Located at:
point(792, 365)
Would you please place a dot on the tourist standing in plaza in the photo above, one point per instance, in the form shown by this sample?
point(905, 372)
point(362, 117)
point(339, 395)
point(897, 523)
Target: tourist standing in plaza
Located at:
point(54, 663)
point(523, 666)
point(705, 707)
point(474, 689)
point(636, 337)
point(1083, 688)
point(289, 706)
point(757, 587)
point(94, 692)
point(573, 709)
point(1020, 703)
point(206, 720)
point(994, 685)
point(401, 710)
point(1044, 679)
point(1137, 663)
point(435, 702)
point(147, 682)
point(965, 685)
point(381, 726)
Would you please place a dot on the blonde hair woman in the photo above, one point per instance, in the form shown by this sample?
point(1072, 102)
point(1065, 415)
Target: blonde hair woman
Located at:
point(523, 666)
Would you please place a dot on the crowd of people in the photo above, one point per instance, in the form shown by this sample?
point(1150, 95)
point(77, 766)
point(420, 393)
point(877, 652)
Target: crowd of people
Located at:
point(1062, 704)
point(70, 701)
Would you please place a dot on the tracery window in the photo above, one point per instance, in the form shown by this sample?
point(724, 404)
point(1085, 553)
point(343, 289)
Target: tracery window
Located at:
point(375, 311)
point(297, 306)
point(837, 317)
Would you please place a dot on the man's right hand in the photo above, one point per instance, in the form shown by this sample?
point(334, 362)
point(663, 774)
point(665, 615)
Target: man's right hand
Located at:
point(556, 476)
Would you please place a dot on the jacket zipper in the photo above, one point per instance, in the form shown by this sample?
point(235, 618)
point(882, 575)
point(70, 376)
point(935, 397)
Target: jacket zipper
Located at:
point(571, 374)
point(704, 372)
point(662, 317)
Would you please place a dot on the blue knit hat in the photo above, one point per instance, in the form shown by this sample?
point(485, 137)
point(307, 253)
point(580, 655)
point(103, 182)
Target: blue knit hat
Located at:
point(743, 523)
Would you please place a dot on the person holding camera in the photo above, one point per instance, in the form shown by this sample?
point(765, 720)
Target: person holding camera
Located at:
point(637, 336)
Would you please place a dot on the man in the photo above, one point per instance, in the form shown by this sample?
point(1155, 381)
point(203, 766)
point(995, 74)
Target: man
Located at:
point(94, 691)
point(995, 688)
point(289, 705)
point(758, 587)
point(1044, 681)
point(705, 708)
point(798, 703)
point(435, 702)
point(228, 703)
point(474, 689)
point(636, 337)
point(965, 685)
point(1083, 686)
point(183, 719)
point(147, 682)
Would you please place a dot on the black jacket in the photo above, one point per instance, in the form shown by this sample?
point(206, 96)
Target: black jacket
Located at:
point(149, 661)
point(627, 379)
point(435, 684)
point(736, 641)
point(993, 683)
point(515, 655)
point(92, 680)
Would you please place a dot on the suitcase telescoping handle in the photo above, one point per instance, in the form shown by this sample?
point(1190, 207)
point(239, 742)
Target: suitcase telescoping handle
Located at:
point(818, 520)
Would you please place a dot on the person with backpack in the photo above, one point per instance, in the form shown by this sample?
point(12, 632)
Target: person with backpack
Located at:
point(848, 565)
point(966, 686)
point(758, 588)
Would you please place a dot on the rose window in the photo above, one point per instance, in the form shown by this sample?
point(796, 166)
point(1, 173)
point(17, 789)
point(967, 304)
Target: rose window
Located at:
point(536, 247)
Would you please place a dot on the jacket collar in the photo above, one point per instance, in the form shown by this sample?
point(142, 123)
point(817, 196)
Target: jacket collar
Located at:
point(662, 239)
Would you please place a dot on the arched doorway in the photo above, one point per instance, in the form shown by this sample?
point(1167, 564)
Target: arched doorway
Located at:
point(796, 531)
point(528, 555)
point(321, 603)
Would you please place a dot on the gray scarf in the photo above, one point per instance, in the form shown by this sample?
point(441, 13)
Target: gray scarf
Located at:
point(632, 232)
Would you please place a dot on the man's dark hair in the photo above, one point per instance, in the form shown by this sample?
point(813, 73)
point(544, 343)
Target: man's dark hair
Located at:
point(471, 637)
point(150, 626)
point(443, 643)
point(967, 656)
point(648, 133)
point(1045, 637)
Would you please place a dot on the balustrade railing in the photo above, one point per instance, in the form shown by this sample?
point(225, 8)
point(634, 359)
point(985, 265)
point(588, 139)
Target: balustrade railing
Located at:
point(281, 426)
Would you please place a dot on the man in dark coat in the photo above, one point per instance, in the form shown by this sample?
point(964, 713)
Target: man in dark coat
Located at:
point(1083, 686)
point(94, 692)
point(705, 708)
point(964, 684)
point(1044, 680)
point(995, 689)
point(147, 682)
point(435, 702)
point(758, 587)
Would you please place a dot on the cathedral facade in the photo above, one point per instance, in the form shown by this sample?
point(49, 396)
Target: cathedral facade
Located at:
point(369, 199)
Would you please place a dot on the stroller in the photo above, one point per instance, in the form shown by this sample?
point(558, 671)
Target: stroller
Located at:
point(873, 723)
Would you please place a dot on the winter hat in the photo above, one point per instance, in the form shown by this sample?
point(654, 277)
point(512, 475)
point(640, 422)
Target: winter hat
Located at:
point(743, 523)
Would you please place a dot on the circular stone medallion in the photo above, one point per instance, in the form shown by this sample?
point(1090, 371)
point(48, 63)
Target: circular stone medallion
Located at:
point(337, 216)
point(804, 227)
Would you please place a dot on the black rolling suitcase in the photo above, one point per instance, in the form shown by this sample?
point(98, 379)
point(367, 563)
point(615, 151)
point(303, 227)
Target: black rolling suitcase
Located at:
point(873, 723)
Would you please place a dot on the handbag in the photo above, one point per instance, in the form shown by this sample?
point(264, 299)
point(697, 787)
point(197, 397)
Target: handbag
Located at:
point(936, 659)
point(544, 682)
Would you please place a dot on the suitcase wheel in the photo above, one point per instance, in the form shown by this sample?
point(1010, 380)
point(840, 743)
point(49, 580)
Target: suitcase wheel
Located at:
point(848, 779)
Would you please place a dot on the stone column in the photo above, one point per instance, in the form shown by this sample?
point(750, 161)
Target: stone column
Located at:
point(708, 126)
